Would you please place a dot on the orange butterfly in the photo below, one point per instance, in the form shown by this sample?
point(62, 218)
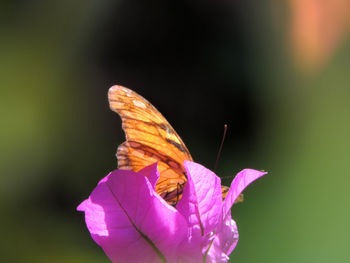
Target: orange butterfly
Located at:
point(149, 139)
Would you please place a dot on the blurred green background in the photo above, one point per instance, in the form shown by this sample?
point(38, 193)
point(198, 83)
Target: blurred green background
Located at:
point(277, 72)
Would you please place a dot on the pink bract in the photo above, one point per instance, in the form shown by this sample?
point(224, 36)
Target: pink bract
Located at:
point(132, 223)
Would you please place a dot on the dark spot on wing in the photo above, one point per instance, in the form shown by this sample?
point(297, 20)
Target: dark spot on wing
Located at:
point(177, 145)
point(164, 127)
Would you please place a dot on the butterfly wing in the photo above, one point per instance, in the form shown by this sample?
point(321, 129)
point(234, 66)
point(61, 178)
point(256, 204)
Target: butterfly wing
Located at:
point(149, 139)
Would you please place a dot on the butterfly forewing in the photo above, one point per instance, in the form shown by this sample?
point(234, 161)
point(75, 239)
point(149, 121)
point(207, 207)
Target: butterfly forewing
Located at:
point(149, 138)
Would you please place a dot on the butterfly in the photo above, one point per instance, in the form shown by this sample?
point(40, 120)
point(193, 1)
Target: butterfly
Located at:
point(149, 139)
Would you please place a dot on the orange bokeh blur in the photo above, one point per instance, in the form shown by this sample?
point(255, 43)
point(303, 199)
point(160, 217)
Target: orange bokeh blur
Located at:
point(316, 29)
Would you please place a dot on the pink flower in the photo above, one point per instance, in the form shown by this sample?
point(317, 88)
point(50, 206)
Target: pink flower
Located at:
point(132, 223)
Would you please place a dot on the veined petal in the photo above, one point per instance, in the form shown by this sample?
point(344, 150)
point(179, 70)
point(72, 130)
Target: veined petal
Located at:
point(225, 241)
point(228, 235)
point(201, 205)
point(131, 222)
point(241, 181)
point(201, 201)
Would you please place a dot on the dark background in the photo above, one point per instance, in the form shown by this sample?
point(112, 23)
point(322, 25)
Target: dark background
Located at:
point(277, 72)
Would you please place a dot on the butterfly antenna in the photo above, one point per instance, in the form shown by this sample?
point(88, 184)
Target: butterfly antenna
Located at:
point(220, 149)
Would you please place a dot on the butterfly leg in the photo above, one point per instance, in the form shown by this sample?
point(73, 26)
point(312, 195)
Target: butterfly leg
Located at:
point(178, 192)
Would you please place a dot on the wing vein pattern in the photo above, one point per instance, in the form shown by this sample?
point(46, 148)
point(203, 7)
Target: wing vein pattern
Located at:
point(149, 139)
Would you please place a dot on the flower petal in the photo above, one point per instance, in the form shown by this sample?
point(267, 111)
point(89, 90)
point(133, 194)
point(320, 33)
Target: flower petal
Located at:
point(151, 173)
point(202, 197)
point(201, 205)
point(224, 242)
point(131, 222)
point(241, 181)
